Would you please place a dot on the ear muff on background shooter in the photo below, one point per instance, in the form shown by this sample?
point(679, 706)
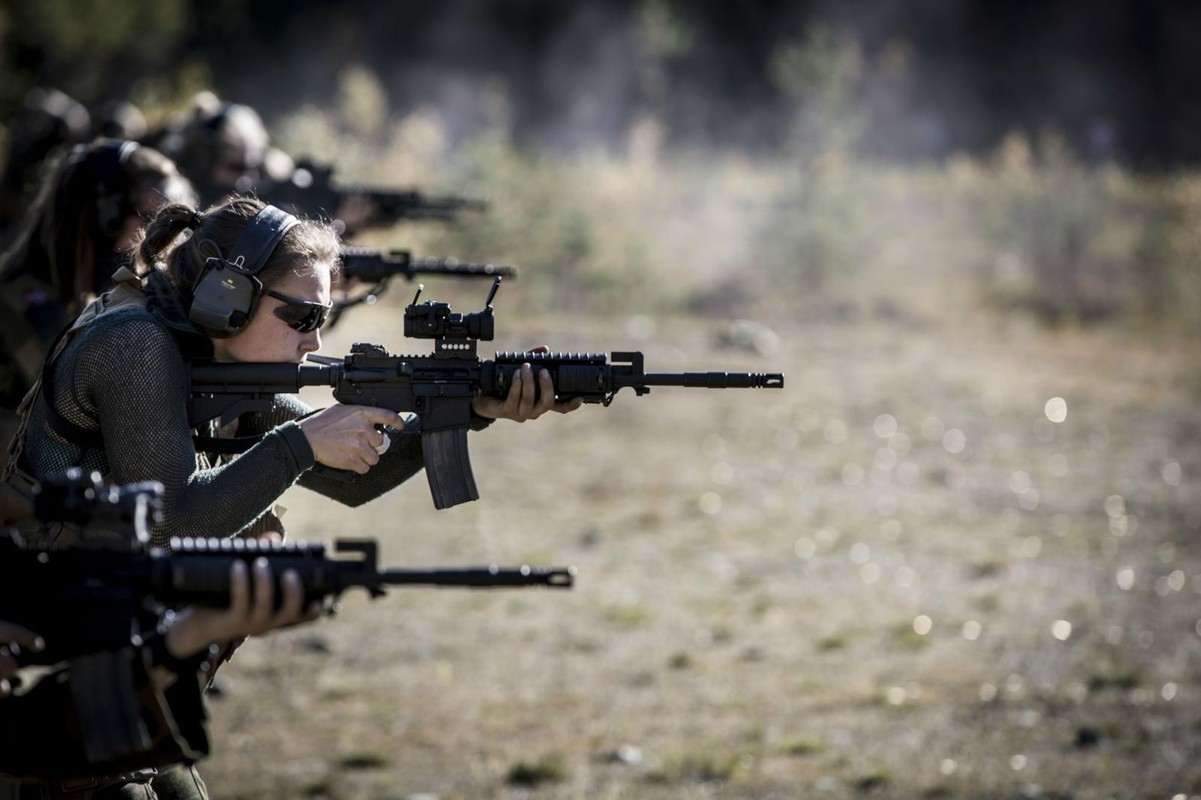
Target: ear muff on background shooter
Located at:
point(228, 289)
point(113, 203)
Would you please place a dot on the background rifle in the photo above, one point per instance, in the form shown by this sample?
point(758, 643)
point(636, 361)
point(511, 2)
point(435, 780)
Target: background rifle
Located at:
point(439, 387)
point(311, 189)
point(378, 267)
point(89, 600)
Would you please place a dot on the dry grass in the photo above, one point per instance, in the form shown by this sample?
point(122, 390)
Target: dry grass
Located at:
point(898, 577)
point(751, 568)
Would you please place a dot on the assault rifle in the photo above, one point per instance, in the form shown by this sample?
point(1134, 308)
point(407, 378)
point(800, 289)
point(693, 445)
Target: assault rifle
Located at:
point(89, 600)
point(378, 267)
point(439, 388)
point(311, 189)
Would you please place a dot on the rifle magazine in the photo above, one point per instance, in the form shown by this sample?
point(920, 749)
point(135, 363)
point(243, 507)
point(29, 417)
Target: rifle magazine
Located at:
point(448, 467)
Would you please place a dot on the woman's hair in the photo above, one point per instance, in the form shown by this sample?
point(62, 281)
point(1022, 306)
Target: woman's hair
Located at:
point(78, 215)
point(214, 233)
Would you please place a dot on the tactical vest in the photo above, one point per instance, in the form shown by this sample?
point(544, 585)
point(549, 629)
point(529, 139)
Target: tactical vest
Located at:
point(16, 485)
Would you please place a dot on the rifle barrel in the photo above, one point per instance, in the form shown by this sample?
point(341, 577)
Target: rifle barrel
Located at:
point(481, 577)
point(363, 268)
point(449, 266)
point(705, 380)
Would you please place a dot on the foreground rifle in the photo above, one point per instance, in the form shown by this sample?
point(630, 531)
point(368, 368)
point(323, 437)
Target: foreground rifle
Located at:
point(90, 600)
point(311, 190)
point(439, 388)
point(378, 267)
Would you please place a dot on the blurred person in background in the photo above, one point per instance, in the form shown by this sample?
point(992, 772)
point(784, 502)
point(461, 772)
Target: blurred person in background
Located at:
point(78, 232)
point(120, 119)
point(223, 148)
point(48, 121)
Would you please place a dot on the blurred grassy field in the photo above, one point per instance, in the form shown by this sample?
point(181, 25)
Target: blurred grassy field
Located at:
point(955, 557)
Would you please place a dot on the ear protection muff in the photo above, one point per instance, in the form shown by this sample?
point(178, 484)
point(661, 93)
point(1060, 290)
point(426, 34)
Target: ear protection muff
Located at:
point(228, 289)
point(113, 203)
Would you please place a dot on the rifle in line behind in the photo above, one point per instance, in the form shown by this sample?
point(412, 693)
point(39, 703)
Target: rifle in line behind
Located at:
point(365, 265)
point(311, 190)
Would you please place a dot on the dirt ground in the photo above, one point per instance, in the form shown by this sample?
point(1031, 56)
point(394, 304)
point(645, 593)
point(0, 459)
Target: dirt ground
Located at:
point(943, 561)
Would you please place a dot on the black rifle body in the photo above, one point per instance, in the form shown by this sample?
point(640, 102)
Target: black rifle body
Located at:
point(439, 389)
point(88, 600)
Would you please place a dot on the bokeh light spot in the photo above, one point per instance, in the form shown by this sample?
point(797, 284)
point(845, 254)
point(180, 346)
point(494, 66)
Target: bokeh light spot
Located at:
point(885, 426)
point(1056, 409)
point(860, 553)
point(722, 473)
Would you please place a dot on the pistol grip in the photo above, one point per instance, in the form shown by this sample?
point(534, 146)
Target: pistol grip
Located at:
point(448, 466)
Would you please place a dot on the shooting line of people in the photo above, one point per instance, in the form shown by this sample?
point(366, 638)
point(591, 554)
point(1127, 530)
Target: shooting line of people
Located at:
point(150, 280)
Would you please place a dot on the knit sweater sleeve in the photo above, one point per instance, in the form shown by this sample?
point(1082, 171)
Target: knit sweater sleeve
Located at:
point(401, 461)
point(132, 378)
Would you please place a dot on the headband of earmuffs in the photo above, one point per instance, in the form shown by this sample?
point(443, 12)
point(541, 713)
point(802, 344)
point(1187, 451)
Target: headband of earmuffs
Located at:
point(228, 289)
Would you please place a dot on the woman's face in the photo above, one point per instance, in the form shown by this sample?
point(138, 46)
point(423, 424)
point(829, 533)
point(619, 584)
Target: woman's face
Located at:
point(268, 337)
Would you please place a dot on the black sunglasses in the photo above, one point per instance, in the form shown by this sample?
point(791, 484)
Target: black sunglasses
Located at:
point(302, 316)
